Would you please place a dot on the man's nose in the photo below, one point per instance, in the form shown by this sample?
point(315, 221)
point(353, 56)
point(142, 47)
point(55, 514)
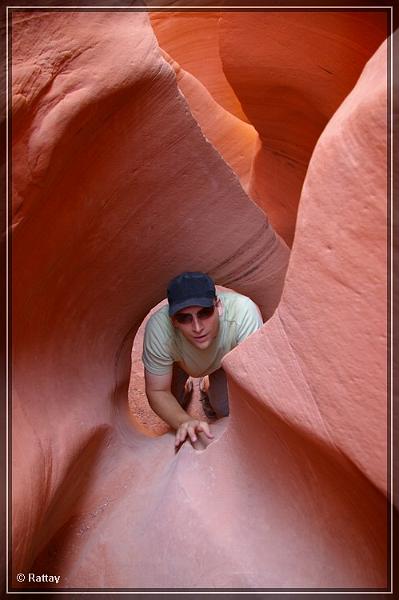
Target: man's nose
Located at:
point(196, 324)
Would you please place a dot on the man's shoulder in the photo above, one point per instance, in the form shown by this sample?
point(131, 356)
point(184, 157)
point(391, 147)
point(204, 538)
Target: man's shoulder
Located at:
point(160, 314)
point(158, 345)
point(241, 315)
point(159, 322)
point(236, 303)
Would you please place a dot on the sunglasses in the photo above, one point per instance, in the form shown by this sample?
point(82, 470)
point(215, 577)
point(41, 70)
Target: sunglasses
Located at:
point(204, 313)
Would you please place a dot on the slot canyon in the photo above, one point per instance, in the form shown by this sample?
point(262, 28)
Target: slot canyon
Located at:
point(251, 146)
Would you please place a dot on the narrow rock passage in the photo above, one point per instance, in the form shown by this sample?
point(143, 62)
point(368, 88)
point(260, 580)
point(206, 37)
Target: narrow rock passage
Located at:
point(116, 190)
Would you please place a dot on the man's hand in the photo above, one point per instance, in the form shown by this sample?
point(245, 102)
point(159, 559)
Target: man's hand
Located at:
point(190, 428)
point(167, 407)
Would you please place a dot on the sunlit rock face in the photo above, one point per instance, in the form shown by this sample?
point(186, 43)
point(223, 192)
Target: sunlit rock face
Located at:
point(191, 42)
point(291, 70)
point(122, 177)
point(323, 353)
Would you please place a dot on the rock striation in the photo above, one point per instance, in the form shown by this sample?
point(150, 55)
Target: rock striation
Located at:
point(117, 186)
point(291, 70)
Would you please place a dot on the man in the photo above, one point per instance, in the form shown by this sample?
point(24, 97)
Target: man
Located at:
point(189, 337)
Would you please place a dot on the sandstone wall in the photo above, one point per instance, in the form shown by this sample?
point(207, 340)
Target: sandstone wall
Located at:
point(116, 189)
point(285, 73)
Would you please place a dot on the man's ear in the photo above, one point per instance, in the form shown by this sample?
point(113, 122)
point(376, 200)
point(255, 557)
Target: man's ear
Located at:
point(219, 306)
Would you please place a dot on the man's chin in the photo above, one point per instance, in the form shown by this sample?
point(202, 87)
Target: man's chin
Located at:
point(202, 345)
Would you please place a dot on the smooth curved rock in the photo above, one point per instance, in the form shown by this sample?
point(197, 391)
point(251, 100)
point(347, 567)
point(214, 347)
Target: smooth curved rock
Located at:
point(114, 186)
point(314, 379)
point(117, 190)
point(192, 39)
point(291, 70)
point(235, 139)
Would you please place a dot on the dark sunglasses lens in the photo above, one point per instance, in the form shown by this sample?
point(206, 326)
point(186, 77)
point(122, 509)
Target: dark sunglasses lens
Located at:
point(205, 313)
point(183, 318)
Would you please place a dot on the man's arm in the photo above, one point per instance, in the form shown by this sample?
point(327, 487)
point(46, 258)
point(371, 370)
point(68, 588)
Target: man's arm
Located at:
point(165, 405)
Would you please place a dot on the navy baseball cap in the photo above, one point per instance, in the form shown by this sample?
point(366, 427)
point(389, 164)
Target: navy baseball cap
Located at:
point(190, 289)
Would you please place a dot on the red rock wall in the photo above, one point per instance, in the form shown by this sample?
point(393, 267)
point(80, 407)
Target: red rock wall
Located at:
point(115, 190)
point(283, 72)
point(318, 368)
point(290, 71)
point(190, 42)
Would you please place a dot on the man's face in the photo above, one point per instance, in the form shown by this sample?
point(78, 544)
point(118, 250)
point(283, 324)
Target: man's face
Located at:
point(199, 325)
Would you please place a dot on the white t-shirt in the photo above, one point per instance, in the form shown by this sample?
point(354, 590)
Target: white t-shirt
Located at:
point(164, 344)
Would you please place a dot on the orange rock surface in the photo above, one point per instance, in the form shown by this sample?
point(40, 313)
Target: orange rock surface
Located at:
point(117, 187)
point(190, 42)
point(193, 40)
point(290, 71)
point(232, 137)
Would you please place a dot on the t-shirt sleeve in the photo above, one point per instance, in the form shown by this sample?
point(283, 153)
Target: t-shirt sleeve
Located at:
point(250, 320)
point(157, 357)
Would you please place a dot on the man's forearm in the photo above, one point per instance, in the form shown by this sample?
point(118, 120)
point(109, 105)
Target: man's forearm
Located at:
point(165, 405)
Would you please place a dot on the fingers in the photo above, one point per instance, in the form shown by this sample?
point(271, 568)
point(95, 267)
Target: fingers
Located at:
point(190, 428)
point(182, 432)
point(181, 435)
point(191, 432)
point(204, 427)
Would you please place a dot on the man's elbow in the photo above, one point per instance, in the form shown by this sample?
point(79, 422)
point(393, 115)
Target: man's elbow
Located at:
point(149, 394)
point(153, 397)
